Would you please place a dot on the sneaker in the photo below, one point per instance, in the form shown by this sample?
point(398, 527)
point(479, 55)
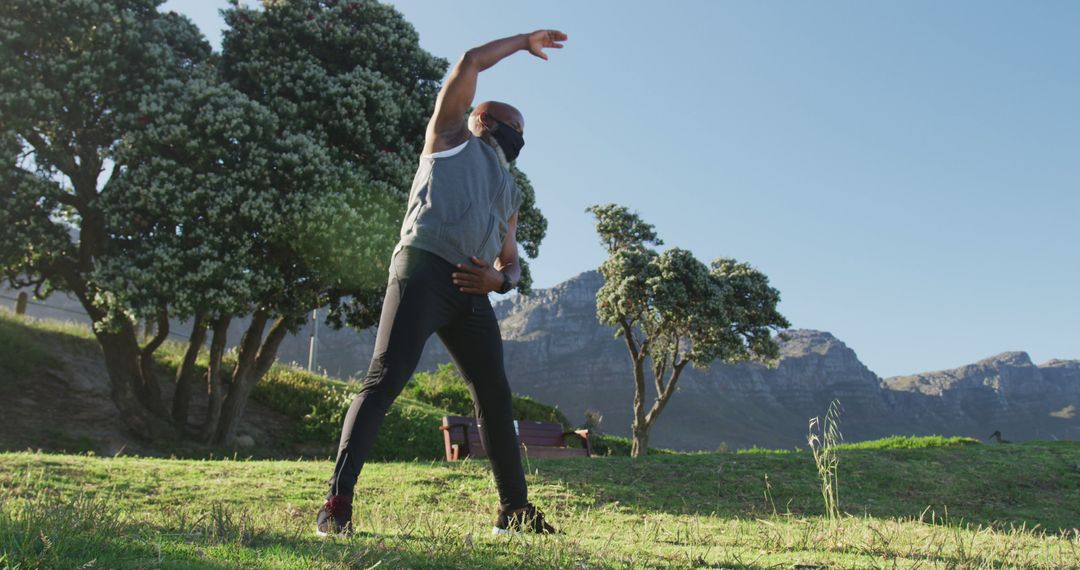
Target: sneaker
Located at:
point(528, 519)
point(335, 516)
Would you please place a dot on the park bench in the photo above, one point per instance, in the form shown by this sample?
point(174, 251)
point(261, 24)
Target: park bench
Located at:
point(537, 439)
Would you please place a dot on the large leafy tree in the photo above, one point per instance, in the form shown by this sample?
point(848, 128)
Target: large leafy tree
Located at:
point(672, 311)
point(351, 74)
point(263, 183)
point(73, 80)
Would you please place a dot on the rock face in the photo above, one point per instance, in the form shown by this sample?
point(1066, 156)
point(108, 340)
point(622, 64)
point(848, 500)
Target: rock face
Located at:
point(1035, 402)
point(557, 351)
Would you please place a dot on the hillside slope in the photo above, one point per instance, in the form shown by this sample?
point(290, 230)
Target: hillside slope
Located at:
point(557, 352)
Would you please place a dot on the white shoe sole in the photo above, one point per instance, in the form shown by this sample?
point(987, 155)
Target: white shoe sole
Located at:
point(322, 534)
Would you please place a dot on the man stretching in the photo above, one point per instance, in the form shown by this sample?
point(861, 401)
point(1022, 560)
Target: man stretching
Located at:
point(457, 245)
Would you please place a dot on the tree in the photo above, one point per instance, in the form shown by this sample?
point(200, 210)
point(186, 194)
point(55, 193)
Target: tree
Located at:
point(73, 79)
point(672, 310)
point(266, 181)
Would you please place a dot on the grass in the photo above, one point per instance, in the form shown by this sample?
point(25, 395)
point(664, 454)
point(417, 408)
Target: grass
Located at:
point(911, 442)
point(907, 502)
point(19, 354)
point(965, 506)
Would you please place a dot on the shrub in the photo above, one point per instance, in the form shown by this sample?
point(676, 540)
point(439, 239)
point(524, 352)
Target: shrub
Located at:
point(604, 444)
point(445, 388)
point(409, 431)
point(911, 442)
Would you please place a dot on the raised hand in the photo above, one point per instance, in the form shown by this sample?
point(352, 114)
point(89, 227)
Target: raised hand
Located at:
point(541, 39)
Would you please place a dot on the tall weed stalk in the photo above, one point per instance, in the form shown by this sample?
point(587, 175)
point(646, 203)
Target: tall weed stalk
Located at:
point(823, 438)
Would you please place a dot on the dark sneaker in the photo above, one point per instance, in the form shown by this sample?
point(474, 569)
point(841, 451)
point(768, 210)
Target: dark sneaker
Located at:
point(528, 519)
point(335, 516)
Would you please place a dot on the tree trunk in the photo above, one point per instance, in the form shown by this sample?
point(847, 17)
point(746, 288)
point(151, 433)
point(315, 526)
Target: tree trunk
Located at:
point(213, 378)
point(185, 375)
point(664, 393)
point(639, 428)
point(245, 378)
point(120, 349)
point(134, 398)
point(640, 446)
point(151, 389)
point(122, 360)
point(245, 360)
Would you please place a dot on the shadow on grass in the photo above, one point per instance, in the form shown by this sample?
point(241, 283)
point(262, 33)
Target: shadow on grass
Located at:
point(1031, 482)
point(137, 548)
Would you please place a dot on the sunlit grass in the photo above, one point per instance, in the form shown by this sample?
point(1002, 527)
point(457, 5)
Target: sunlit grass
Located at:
point(701, 510)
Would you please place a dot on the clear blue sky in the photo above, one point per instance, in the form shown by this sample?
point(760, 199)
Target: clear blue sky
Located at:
point(907, 173)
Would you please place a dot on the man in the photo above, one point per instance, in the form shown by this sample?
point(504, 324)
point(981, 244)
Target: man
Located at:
point(457, 245)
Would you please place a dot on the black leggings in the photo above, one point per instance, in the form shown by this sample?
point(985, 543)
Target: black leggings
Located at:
point(421, 299)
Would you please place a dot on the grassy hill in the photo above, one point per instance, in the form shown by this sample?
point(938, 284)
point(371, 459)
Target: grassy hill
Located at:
point(51, 369)
point(909, 502)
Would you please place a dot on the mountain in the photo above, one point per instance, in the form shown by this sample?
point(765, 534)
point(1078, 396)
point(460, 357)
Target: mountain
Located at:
point(557, 351)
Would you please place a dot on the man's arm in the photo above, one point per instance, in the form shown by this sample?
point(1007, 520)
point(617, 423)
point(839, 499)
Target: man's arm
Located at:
point(507, 261)
point(484, 278)
point(447, 127)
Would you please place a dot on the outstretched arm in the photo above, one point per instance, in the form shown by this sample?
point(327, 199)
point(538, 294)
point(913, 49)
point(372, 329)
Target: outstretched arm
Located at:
point(447, 127)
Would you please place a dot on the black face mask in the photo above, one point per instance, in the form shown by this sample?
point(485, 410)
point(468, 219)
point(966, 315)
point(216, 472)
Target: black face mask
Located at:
point(510, 141)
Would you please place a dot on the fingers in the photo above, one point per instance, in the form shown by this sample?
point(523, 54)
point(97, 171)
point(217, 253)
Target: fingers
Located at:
point(545, 39)
point(467, 278)
point(469, 270)
point(469, 284)
point(471, 279)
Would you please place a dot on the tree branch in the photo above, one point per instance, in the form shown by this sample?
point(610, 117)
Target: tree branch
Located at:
point(64, 163)
point(268, 350)
point(151, 389)
point(663, 397)
point(161, 335)
point(658, 372)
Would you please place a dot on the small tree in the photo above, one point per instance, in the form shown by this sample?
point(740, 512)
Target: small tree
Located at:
point(672, 310)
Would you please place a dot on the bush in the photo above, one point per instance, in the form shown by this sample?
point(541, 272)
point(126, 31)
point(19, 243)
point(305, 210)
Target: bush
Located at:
point(409, 431)
point(603, 444)
point(445, 388)
point(911, 442)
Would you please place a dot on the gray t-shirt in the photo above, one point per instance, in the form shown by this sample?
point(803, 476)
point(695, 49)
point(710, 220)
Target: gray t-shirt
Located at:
point(460, 204)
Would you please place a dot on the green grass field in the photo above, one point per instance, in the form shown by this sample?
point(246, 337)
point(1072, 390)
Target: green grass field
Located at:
point(909, 502)
point(968, 506)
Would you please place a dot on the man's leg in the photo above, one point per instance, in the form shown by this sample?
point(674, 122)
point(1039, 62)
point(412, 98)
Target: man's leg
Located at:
point(419, 299)
point(475, 344)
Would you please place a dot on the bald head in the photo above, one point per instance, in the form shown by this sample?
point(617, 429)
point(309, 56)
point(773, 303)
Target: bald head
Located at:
point(480, 119)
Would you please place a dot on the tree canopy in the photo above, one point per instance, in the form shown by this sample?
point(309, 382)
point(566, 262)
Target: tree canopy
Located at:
point(156, 180)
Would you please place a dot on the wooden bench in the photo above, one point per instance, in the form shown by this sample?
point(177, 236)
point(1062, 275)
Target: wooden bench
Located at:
point(537, 439)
